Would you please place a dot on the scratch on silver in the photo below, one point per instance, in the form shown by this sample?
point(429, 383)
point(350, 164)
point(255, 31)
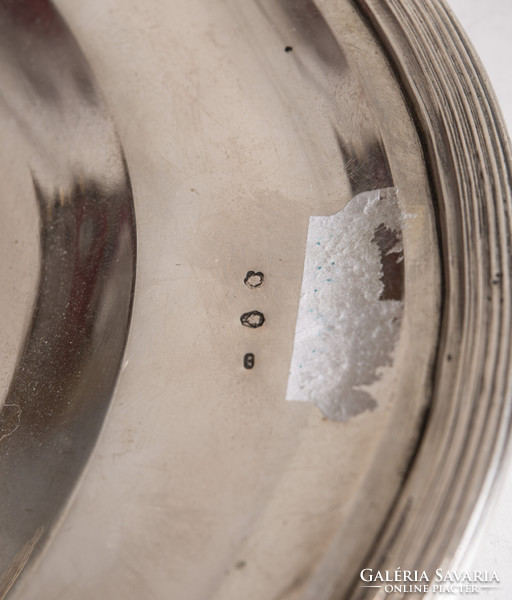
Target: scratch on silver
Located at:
point(7, 429)
point(351, 305)
point(19, 562)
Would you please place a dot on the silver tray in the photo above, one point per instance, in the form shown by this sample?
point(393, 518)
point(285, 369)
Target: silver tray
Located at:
point(148, 447)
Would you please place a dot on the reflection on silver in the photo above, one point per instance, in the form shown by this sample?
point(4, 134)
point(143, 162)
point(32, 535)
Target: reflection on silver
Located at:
point(64, 376)
point(323, 65)
point(241, 120)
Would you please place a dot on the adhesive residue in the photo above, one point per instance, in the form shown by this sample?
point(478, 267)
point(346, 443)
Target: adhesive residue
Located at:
point(350, 306)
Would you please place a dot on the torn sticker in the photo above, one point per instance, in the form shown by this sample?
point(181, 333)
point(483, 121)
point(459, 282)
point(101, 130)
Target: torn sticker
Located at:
point(351, 305)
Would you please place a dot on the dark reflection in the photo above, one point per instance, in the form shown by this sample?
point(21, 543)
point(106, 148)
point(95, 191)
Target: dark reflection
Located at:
point(64, 337)
point(64, 377)
point(366, 170)
point(36, 14)
point(46, 36)
point(66, 371)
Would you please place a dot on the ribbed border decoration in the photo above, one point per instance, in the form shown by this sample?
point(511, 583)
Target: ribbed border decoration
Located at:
point(469, 160)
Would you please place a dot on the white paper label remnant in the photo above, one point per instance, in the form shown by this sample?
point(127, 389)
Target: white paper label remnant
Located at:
point(350, 306)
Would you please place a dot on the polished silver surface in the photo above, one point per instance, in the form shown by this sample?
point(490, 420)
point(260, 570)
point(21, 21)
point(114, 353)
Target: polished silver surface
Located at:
point(63, 163)
point(240, 122)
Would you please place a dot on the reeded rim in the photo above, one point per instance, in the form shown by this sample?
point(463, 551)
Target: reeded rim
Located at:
point(467, 429)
